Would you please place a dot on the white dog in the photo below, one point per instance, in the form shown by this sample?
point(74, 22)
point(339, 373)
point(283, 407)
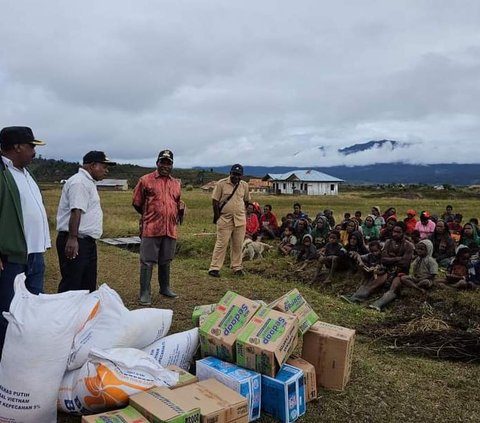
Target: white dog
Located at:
point(254, 249)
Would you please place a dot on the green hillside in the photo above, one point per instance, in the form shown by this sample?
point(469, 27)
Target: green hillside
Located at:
point(50, 170)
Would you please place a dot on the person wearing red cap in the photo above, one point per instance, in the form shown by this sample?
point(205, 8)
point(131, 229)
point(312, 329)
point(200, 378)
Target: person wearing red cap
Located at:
point(23, 220)
point(426, 226)
point(157, 198)
point(229, 200)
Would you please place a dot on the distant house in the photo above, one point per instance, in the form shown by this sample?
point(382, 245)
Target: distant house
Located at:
point(306, 182)
point(112, 185)
point(259, 185)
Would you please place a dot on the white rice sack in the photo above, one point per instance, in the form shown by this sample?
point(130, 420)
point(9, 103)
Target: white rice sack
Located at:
point(109, 378)
point(144, 326)
point(111, 325)
point(37, 343)
point(177, 349)
point(102, 328)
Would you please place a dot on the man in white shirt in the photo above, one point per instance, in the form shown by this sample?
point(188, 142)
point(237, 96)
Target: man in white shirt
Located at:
point(24, 234)
point(80, 224)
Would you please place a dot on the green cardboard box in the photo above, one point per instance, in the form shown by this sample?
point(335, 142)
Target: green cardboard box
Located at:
point(267, 341)
point(219, 331)
point(294, 303)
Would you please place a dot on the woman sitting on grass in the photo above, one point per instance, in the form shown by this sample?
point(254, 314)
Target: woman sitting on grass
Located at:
point(252, 225)
point(469, 237)
point(320, 232)
point(350, 227)
point(443, 245)
point(378, 220)
point(369, 230)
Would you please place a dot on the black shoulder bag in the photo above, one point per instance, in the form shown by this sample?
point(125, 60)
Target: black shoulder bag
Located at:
point(225, 202)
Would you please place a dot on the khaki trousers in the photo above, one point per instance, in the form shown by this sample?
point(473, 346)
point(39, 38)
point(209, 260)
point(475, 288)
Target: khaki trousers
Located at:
point(228, 233)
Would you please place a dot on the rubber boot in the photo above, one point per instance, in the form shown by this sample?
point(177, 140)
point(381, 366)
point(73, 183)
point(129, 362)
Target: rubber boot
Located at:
point(164, 280)
point(387, 298)
point(145, 279)
point(361, 294)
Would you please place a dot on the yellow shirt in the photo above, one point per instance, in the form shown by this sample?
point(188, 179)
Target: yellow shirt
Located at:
point(234, 209)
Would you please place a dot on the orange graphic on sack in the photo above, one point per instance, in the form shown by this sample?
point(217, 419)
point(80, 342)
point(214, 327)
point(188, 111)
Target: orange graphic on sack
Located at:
point(107, 390)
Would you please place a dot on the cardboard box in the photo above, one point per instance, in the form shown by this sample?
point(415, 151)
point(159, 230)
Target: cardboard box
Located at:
point(125, 415)
point(267, 341)
point(164, 405)
point(217, 402)
point(202, 311)
point(246, 382)
point(283, 396)
point(309, 375)
point(330, 349)
point(294, 303)
point(219, 332)
point(184, 378)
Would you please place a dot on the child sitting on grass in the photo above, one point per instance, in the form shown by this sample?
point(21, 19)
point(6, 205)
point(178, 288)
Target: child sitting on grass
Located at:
point(330, 256)
point(462, 273)
point(288, 242)
point(306, 253)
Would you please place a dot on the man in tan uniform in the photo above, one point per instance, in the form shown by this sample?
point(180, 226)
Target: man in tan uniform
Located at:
point(228, 200)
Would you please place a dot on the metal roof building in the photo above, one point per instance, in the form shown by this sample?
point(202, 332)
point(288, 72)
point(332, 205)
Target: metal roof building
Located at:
point(307, 182)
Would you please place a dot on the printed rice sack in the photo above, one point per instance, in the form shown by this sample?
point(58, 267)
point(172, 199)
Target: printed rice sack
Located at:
point(108, 378)
point(177, 349)
point(111, 325)
point(37, 343)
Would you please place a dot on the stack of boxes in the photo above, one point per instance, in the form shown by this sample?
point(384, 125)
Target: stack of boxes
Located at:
point(248, 366)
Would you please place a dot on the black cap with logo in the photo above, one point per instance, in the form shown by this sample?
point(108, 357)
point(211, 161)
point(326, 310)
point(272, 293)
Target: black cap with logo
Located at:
point(97, 157)
point(237, 169)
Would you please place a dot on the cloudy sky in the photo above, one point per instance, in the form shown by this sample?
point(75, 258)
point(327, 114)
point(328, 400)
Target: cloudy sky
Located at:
point(257, 82)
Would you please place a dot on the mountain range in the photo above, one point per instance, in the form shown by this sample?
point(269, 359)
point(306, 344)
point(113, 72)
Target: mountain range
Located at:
point(384, 173)
point(381, 173)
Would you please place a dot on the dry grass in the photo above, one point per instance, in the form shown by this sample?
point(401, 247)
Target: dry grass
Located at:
point(385, 385)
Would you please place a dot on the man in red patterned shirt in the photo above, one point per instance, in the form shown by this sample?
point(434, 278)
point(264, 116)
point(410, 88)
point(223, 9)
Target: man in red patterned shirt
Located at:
point(157, 198)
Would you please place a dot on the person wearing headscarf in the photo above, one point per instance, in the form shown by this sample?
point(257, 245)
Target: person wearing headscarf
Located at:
point(410, 221)
point(378, 221)
point(369, 230)
point(320, 232)
point(469, 237)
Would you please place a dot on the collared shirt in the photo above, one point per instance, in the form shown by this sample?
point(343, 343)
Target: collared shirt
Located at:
point(80, 192)
point(234, 209)
point(159, 198)
point(35, 223)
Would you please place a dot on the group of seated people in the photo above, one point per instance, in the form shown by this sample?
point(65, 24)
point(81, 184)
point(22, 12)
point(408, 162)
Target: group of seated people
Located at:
point(387, 251)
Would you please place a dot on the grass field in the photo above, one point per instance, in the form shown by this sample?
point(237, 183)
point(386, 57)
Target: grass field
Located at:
point(386, 385)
